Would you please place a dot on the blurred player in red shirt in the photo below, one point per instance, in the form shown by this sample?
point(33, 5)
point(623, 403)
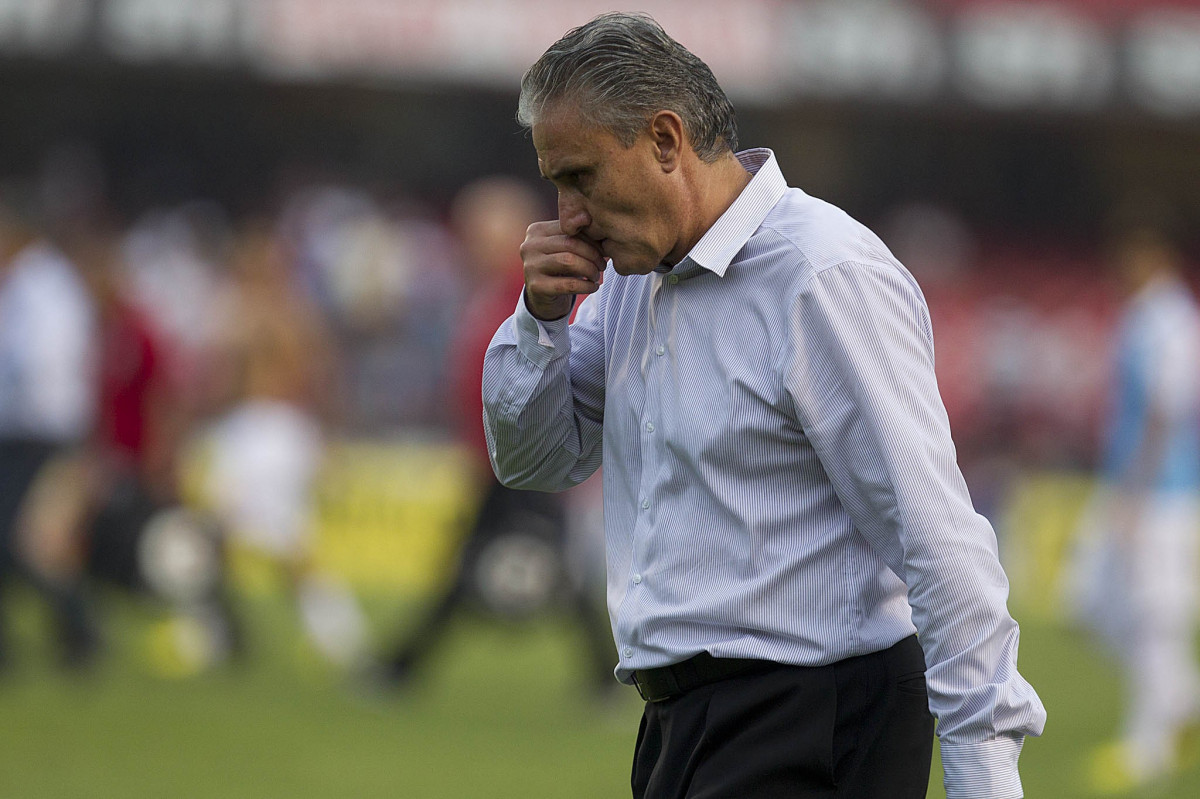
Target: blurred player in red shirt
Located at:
point(111, 510)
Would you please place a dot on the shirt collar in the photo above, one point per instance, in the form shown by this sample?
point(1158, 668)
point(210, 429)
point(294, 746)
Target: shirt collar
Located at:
point(721, 242)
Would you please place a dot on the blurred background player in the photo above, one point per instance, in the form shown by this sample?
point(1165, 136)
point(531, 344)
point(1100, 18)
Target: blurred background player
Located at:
point(47, 390)
point(275, 374)
point(113, 510)
point(1134, 580)
point(523, 549)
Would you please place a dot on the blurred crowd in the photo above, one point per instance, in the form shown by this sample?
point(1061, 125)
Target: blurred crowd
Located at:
point(125, 346)
point(171, 384)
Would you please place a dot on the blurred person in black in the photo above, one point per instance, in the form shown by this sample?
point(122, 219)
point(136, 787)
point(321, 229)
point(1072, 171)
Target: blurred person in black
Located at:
point(1134, 577)
point(47, 362)
point(513, 559)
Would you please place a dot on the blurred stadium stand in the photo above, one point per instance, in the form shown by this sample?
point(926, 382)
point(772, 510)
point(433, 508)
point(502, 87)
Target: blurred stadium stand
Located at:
point(1019, 113)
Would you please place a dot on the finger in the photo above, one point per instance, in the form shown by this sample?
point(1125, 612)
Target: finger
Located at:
point(544, 230)
point(560, 244)
point(583, 246)
point(564, 264)
point(557, 286)
point(549, 237)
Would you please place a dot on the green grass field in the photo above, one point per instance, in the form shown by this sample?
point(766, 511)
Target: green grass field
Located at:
point(502, 714)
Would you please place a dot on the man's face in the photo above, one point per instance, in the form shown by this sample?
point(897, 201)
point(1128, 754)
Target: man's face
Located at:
point(615, 196)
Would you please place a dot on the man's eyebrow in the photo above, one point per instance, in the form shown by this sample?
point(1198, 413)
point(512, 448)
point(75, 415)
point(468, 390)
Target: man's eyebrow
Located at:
point(567, 171)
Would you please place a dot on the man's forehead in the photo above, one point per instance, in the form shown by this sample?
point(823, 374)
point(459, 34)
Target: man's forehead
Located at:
point(557, 127)
point(562, 143)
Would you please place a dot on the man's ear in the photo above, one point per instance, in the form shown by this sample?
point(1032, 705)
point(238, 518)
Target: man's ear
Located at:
point(666, 131)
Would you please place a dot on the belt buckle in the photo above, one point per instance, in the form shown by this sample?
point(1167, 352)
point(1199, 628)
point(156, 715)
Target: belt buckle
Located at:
point(638, 686)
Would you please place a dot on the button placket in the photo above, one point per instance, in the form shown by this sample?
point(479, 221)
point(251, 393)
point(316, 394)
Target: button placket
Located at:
point(651, 408)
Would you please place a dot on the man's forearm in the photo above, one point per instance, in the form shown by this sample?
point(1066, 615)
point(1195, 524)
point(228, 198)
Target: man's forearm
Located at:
point(540, 434)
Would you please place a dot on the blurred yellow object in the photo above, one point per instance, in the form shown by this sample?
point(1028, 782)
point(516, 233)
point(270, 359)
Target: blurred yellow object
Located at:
point(1037, 530)
point(389, 515)
point(252, 571)
point(180, 647)
point(1113, 770)
point(1109, 772)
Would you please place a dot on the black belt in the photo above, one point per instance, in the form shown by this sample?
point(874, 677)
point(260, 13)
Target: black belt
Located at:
point(659, 685)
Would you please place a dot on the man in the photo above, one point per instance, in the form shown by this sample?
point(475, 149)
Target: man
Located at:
point(782, 503)
point(1134, 578)
point(275, 367)
point(47, 398)
point(109, 510)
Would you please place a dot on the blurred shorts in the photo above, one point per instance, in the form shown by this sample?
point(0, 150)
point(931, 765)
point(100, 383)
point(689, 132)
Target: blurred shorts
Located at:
point(264, 462)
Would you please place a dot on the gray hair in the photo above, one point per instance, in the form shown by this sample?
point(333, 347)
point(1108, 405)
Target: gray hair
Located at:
point(621, 69)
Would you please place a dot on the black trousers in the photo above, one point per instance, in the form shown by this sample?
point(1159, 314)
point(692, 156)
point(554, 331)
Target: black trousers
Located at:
point(856, 729)
point(21, 462)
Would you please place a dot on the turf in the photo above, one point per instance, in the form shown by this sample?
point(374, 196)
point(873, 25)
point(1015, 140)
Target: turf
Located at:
point(500, 713)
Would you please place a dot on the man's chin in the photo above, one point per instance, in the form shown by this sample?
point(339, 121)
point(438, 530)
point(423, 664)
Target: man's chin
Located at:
point(632, 266)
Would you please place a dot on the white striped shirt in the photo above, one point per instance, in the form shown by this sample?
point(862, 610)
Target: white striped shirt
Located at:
point(779, 482)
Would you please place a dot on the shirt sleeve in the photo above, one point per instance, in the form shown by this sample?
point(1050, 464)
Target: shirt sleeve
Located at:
point(862, 377)
point(543, 398)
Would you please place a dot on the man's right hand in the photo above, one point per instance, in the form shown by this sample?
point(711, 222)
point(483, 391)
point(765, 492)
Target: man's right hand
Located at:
point(557, 267)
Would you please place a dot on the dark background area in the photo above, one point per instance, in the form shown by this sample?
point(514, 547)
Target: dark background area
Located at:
point(167, 134)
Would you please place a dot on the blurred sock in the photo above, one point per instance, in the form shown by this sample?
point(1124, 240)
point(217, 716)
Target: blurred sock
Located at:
point(333, 620)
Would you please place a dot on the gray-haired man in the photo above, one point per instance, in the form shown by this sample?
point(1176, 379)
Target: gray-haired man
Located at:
point(783, 510)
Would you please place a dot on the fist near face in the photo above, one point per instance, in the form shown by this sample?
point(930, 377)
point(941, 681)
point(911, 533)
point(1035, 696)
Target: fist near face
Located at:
point(557, 267)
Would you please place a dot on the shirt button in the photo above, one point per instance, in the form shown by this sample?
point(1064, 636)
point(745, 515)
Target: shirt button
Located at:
point(645, 504)
point(673, 279)
point(649, 427)
point(637, 579)
point(661, 349)
point(628, 652)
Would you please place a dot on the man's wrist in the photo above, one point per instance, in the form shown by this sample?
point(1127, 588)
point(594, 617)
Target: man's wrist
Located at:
point(539, 340)
point(551, 315)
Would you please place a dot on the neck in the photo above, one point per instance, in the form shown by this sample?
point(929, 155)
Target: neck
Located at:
point(711, 189)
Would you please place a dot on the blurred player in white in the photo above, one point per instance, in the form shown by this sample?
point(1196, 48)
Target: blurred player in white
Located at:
point(1135, 575)
point(47, 403)
point(268, 448)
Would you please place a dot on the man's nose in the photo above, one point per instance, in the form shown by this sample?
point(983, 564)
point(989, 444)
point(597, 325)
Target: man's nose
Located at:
point(573, 216)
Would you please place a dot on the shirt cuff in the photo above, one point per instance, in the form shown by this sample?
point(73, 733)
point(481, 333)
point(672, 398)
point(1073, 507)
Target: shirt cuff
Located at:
point(539, 341)
point(982, 770)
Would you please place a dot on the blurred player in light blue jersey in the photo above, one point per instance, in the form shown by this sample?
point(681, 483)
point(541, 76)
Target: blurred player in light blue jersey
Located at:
point(1136, 574)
